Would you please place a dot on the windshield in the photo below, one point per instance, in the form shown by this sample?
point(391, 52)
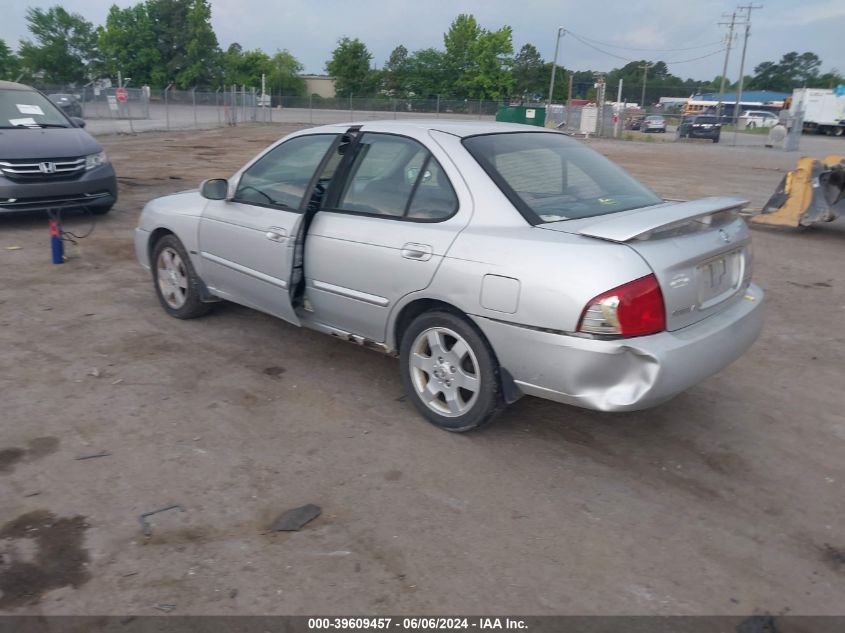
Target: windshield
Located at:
point(551, 177)
point(27, 108)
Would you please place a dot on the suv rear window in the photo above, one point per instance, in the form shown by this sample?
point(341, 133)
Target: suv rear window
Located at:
point(550, 177)
point(705, 119)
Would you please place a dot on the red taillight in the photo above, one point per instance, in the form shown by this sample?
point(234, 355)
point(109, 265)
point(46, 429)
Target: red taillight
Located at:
point(634, 309)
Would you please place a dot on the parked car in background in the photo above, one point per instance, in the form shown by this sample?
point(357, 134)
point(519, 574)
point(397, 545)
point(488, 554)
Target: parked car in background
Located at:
point(653, 123)
point(634, 122)
point(47, 161)
point(758, 118)
point(700, 126)
point(69, 104)
point(494, 259)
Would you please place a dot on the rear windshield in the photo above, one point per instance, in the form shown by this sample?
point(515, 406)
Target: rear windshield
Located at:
point(705, 119)
point(551, 177)
point(27, 108)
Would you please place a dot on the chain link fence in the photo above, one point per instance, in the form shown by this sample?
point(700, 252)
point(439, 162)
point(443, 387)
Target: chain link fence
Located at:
point(131, 110)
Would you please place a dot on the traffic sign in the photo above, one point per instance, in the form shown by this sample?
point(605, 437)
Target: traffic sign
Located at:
point(122, 95)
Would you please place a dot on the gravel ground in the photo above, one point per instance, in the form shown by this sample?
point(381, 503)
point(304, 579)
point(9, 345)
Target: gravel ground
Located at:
point(726, 500)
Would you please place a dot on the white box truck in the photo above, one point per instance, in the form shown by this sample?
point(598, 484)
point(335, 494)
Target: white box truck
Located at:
point(824, 110)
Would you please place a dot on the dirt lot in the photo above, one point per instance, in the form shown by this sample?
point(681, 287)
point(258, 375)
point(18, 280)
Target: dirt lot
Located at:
point(727, 500)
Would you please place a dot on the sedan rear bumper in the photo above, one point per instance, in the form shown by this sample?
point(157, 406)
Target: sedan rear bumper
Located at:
point(625, 374)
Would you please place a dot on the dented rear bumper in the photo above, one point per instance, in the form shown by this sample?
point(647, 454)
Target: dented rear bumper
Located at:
point(625, 374)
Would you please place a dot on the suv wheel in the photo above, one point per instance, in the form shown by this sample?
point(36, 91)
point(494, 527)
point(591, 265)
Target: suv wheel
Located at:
point(449, 372)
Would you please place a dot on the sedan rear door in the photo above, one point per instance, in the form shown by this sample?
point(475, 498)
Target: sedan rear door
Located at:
point(385, 229)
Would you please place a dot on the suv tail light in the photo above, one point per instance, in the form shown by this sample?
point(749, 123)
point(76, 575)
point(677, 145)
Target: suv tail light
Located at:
point(633, 309)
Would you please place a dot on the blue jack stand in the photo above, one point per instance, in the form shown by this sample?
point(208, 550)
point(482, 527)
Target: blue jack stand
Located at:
point(56, 243)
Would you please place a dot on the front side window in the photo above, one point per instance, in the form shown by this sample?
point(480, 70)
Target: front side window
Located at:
point(281, 177)
point(397, 177)
point(551, 177)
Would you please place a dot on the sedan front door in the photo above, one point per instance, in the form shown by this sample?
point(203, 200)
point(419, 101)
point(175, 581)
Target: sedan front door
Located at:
point(247, 243)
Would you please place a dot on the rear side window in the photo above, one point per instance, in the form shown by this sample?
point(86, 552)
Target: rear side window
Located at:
point(394, 176)
point(281, 177)
point(551, 177)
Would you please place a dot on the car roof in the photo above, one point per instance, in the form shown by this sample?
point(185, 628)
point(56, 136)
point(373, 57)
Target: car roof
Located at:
point(11, 85)
point(455, 127)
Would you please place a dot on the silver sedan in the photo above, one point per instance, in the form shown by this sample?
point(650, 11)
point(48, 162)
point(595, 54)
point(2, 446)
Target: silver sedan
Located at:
point(494, 260)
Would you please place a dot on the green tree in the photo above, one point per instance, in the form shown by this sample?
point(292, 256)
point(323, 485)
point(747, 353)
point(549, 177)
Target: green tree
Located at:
point(396, 71)
point(244, 68)
point(794, 70)
point(528, 72)
point(65, 47)
point(129, 44)
point(829, 79)
point(561, 87)
point(202, 56)
point(9, 63)
point(491, 76)
point(350, 67)
point(186, 43)
point(284, 76)
point(427, 74)
point(459, 42)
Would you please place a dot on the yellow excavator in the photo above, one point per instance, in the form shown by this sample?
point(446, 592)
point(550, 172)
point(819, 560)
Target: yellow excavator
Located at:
point(812, 192)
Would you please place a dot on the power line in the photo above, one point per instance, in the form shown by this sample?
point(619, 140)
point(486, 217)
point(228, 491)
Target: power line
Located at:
point(652, 50)
point(628, 59)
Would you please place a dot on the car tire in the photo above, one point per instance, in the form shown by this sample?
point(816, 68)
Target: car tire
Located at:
point(716, 140)
point(449, 372)
point(176, 282)
point(750, 125)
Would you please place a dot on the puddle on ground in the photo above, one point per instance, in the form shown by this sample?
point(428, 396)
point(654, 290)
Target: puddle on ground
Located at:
point(40, 552)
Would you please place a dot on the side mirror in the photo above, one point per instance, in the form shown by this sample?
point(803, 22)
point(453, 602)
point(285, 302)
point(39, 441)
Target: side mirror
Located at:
point(77, 121)
point(214, 189)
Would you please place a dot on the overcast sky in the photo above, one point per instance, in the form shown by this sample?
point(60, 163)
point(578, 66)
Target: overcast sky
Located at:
point(310, 28)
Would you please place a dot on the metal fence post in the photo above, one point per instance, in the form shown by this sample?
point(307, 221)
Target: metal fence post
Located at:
point(438, 106)
point(217, 105)
point(311, 108)
point(479, 108)
point(194, 101)
point(167, 107)
point(351, 111)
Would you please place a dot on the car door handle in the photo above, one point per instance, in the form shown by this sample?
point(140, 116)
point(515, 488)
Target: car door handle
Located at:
point(276, 234)
point(419, 252)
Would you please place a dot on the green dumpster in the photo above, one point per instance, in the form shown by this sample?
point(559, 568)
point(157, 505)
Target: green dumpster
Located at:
point(522, 114)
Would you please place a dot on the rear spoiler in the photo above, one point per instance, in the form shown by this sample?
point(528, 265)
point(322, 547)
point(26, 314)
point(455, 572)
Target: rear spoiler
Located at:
point(638, 223)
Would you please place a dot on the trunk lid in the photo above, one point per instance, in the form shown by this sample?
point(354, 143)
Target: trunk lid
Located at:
point(699, 251)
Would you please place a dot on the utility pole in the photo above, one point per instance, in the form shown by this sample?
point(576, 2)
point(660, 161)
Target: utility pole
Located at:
point(748, 8)
point(731, 25)
point(560, 31)
point(600, 89)
point(645, 68)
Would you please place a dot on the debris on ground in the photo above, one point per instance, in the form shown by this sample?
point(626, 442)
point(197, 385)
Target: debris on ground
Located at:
point(167, 608)
point(93, 456)
point(94, 372)
point(293, 520)
point(145, 527)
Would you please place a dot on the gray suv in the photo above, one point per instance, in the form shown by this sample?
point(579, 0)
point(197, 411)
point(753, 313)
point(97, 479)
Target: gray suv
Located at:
point(47, 161)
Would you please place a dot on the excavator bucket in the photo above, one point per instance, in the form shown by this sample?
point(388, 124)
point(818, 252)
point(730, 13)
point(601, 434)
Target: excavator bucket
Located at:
point(812, 192)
